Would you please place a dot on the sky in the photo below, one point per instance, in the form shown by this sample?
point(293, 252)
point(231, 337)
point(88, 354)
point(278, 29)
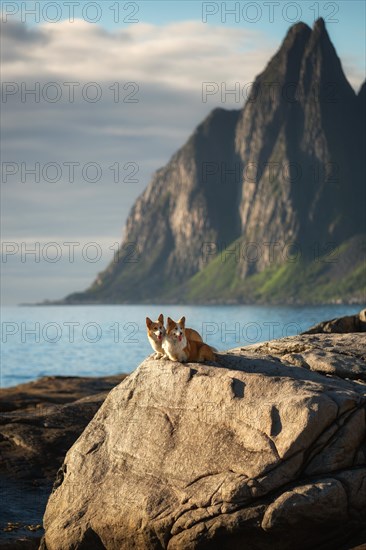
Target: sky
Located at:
point(98, 95)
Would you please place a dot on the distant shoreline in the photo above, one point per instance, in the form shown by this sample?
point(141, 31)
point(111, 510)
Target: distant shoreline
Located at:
point(352, 301)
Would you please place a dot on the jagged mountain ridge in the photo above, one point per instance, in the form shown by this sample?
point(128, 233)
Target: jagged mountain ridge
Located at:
point(286, 168)
point(294, 129)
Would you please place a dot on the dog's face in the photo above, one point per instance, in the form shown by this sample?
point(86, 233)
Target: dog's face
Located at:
point(176, 330)
point(156, 329)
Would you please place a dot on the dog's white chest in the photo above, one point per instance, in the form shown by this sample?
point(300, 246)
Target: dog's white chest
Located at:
point(174, 350)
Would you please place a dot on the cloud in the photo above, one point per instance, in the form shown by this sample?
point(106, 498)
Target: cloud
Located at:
point(352, 67)
point(17, 39)
point(178, 55)
point(168, 65)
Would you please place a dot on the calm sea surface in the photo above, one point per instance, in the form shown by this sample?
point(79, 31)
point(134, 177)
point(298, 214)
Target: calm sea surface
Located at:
point(104, 340)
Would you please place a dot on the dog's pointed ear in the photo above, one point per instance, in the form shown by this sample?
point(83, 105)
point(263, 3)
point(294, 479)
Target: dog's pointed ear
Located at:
point(169, 322)
point(148, 322)
point(182, 321)
point(161, 318)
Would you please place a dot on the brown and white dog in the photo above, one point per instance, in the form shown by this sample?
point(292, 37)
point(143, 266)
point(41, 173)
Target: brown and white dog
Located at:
point(179, 345)
point(155, 334)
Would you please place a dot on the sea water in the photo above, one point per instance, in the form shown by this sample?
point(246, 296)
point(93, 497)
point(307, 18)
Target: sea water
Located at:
point(105, 340)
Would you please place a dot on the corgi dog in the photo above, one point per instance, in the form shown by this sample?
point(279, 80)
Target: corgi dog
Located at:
point(178, 344)
point(156, 334)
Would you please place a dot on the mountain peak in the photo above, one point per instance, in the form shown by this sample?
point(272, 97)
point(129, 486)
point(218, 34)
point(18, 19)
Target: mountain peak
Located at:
point(298, 28)
point(320, 32)
point(303, 31)
point(298, 32)
point(319, 25)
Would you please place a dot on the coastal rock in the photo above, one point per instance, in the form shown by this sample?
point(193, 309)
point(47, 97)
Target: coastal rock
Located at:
point(340, 355)
point(39, 421)
point(253, 451)
point(341, 325)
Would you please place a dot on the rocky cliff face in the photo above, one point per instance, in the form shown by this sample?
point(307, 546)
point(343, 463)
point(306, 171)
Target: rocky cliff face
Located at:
point(299, 130)
point(185, 205)
point(286, 168)
point(265, 449)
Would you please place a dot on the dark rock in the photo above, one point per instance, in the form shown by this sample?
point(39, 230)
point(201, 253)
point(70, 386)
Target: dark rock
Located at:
point(47, 416)
point(42, 419)
point(53, 390)
point(342, 325)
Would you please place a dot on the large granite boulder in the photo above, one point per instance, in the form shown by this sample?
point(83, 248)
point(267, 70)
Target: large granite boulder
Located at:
point(256, 451)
